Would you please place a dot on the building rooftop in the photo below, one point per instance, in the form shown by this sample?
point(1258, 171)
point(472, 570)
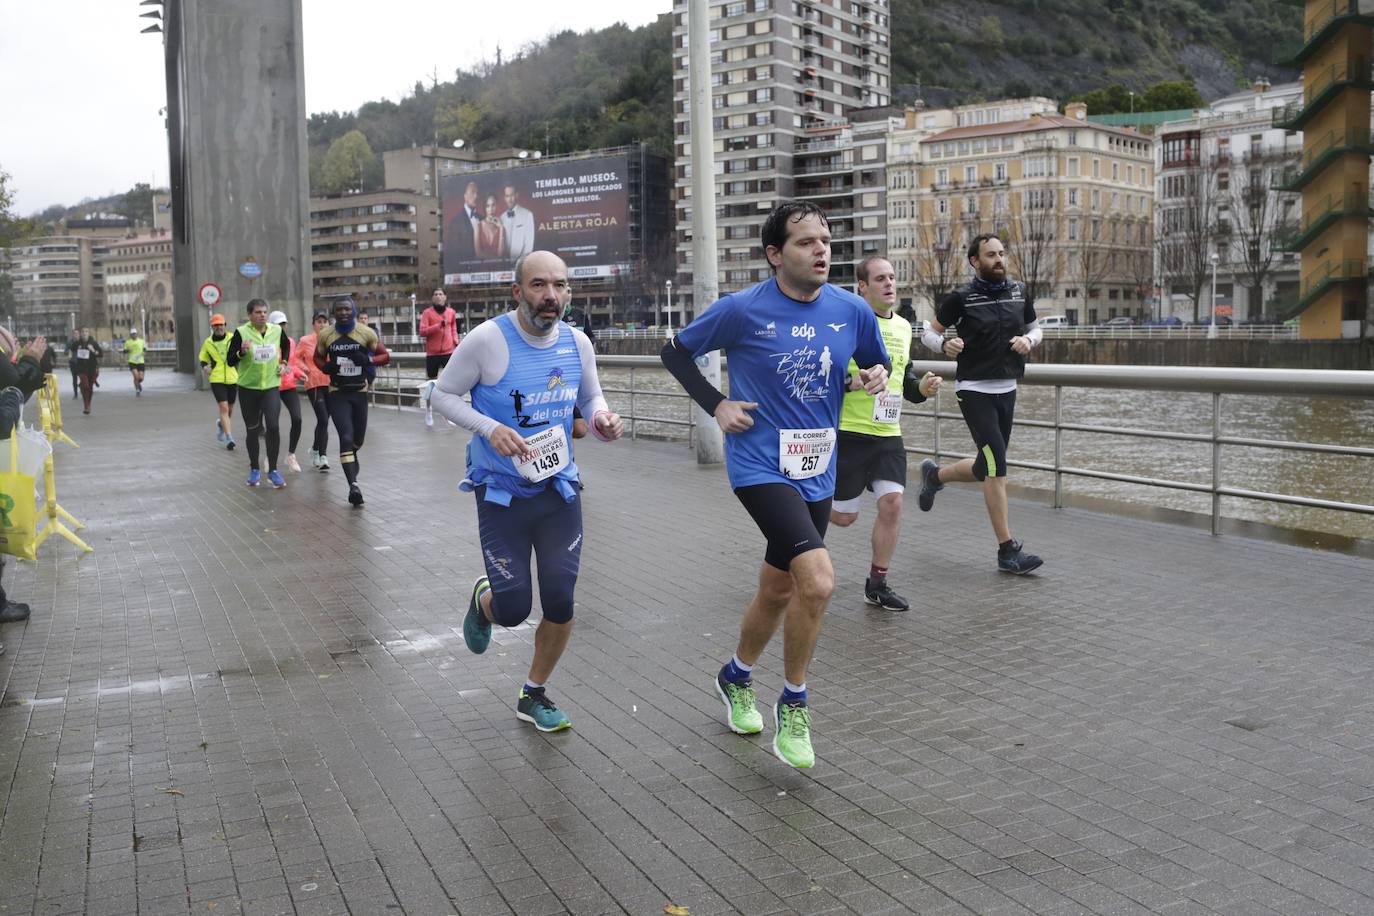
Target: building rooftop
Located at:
point(1029, 125)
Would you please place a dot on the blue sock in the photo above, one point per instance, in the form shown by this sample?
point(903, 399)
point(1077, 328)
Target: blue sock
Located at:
point(792, 693)
point(735, 671)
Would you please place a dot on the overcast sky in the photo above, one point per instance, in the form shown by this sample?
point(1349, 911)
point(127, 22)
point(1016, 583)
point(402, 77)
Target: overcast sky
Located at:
point(84, 87)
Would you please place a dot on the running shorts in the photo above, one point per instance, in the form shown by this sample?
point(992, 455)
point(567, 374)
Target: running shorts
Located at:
point(790, 524)
point(862, 459)
point(989, 422)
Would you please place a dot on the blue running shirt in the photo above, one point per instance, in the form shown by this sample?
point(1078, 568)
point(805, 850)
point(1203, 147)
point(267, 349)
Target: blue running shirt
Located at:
point(790, 358)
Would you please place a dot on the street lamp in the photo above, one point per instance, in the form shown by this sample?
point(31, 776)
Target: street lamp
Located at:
point(414, 328)
point(1212, 322)
point(669, 284)
point(1131, 93)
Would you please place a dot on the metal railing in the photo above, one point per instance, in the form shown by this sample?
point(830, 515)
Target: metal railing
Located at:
point(1179, 332)
point(407, 372)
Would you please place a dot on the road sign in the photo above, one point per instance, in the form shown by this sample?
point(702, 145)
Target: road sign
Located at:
point(210, 294)
point(250, 269)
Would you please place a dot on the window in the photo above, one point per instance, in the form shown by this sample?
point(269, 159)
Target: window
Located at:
point(1073, 166)
point(1097, 168)
point(1073, 229)
point(942, 177)
point(999, 171)
point(970, 174)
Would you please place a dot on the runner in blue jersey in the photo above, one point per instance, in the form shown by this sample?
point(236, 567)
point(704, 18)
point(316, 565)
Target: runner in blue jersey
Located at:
point(526, 371)
point(790, 340)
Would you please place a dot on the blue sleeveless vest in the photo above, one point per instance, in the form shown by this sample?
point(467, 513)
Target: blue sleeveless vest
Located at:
point(538, 391)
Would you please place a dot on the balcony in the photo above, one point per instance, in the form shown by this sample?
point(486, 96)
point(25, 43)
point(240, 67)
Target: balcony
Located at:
point(1322, 90)
point(1336, 143)
point(1333, 273)
point(1330, 17)
point(1318, 219)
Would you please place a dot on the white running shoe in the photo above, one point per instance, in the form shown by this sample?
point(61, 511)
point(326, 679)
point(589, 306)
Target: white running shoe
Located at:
point(292, 464)
point(429, 416)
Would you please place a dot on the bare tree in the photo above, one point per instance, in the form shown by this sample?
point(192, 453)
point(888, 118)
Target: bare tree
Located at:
point(1186, 236)
point(1136, 261)
point(1031, 235)
point(1257, 221)
point(1090, 258)
point(936, 262)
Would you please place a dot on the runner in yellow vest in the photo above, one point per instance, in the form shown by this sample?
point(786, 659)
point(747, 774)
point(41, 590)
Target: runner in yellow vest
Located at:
point(258, 350)
point(870, 454)
point(223, 378)
point(133, 351)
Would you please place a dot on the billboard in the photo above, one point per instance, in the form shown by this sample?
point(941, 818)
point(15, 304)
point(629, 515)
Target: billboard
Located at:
point(578, 208)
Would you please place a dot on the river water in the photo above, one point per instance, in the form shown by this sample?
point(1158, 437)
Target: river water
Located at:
point(1335, 421)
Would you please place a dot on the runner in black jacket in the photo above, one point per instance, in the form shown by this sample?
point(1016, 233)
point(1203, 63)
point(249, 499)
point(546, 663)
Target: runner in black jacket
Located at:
point(995, 322)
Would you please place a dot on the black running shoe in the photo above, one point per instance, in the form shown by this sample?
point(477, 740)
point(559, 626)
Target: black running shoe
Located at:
point(355, 496)
point(883, 596)
point(14, 611)
point(930, 484)
point(1014, 560)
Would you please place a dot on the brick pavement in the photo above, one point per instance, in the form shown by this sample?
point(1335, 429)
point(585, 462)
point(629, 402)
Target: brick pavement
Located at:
point(259, 702)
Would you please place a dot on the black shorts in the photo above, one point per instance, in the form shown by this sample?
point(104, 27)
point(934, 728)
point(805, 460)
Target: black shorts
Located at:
point(435, 364)
point(862, 459)
point(224, 393)
point(989, 422)
point(136, 367)
point(791, 525)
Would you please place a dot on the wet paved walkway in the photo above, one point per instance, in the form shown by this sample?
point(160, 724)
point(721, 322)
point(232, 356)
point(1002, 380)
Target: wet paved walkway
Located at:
point(259, 702)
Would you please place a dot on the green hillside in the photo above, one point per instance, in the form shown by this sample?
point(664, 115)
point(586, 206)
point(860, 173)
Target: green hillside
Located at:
point(614, 86)
point(1061, 48)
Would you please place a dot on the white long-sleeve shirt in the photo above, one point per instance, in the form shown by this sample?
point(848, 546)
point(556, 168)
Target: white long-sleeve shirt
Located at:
point(482, 358)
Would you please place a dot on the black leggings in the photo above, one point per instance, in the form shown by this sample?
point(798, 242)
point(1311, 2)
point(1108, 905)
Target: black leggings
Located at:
point(546, 525)
point(261, 408)
point(791, 525)
point(349, 410)
point(291, 399)
point(319, 400)
point(989, 419)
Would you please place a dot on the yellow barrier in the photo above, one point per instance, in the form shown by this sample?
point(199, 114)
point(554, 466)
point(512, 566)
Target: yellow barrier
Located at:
point(50, 405)
point(50, 410)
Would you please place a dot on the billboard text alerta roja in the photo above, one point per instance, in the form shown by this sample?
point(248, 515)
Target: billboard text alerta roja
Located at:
point(578, 208)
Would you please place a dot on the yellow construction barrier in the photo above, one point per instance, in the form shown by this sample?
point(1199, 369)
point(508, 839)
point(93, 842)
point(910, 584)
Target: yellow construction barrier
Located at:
point(50, 406)
point(50, 409)
point(56, 513)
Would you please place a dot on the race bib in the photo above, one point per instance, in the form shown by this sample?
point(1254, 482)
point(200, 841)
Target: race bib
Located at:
point(83, 353)
point(549, 454)
point(804, 453)
point(887, 408)
point(264, 353)
point(348, 368)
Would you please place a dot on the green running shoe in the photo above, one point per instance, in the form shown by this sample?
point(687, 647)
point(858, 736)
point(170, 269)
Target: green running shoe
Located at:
point(538, 709)
point(476, 626)
point(792, 739)
point(741, 714)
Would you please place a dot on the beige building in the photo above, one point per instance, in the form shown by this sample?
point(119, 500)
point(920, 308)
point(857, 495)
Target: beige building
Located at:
point(59, 284)
point(380, 247)
point(1072, 201)
point(138, 287)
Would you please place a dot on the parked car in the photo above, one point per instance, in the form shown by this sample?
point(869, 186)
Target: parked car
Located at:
point(1054, 321)
point(1223, 321)
point(1172, 321)
point(1120, 321)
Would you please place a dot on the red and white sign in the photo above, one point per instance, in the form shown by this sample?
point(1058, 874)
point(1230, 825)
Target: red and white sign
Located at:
point(210, 294)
